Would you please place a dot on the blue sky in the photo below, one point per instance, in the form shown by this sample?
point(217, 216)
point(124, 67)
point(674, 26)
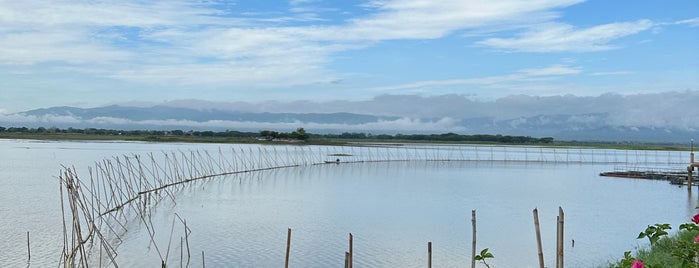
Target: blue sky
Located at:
point(93, 53)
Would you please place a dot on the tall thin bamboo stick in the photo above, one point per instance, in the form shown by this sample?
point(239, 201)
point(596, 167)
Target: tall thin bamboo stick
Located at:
point(538, 238)
point(559, 236)
point(473, 240)
point(288, 248)
point(350, 250)
point(429, 254)
point(29, 252)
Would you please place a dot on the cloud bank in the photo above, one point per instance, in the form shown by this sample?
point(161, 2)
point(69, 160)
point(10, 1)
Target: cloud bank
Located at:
point(435, 114)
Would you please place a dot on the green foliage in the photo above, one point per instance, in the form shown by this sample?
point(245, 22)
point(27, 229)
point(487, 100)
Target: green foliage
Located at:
point(483, 256)
point(679, 250)
point(654, 232)
point(627, 261)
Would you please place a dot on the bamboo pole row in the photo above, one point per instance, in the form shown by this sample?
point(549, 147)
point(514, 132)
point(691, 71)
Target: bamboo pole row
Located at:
point(120, 189)
point(540, 255)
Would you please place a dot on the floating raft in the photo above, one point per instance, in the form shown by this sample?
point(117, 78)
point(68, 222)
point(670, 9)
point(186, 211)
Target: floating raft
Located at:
point(674, 177)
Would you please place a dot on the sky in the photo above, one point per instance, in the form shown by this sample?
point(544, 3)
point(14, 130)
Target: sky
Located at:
point(94, 53)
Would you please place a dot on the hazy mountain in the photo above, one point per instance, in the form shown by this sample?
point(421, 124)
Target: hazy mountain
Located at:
point(582, 126)
point(160, 113)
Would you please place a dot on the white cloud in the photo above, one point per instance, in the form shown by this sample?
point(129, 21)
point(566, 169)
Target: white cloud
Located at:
point(140, 41)
point(693, 22)
point(611, 73)
point(553, 70)
point(425, 19)
point(55, 45)
point(192, 43)
point(557, 37)
point(524, 75)
point(301, 2)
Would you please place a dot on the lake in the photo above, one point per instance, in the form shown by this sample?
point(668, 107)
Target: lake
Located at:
point(392, 208)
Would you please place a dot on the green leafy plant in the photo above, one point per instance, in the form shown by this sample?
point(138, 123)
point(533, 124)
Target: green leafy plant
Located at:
point(655, 232)
point(483, 256)
point(679, 251)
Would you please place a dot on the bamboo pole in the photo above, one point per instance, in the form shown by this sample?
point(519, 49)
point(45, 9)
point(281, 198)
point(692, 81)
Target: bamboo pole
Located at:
point(559, 239)
point(29, 252)
point(473, 241)
point(350, 250)
point(347, 259)
point(429, 254)
point(689, 178)
point(288, 248)
point(203, 263)
point(538, 238)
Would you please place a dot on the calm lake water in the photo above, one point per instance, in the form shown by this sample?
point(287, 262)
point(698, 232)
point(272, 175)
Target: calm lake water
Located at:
point(392, 208)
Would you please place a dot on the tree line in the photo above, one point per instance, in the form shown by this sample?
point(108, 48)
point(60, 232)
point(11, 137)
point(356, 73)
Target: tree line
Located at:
point(445, 137)
point(298, 134)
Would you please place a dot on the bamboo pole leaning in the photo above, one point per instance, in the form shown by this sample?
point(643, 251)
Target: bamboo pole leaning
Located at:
point(538, 238)
point(288, 248)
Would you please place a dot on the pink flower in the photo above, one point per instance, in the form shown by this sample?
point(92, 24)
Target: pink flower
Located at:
point(695, 219)
point(696, 239)
point(637, 264)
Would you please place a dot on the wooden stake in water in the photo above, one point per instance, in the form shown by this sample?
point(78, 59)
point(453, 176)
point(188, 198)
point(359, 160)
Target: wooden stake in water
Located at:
point(29, 252)
point(347, 259)
point(429, 254)
point(288, 248)
point(350, 250)
point(473, 241)
point(559, 239)
point(538, 238)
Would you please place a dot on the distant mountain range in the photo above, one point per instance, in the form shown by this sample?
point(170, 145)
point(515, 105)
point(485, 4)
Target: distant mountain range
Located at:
point(583, 127)
point(201, 115)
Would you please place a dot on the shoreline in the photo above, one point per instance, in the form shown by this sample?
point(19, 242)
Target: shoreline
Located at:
point(336, 142)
